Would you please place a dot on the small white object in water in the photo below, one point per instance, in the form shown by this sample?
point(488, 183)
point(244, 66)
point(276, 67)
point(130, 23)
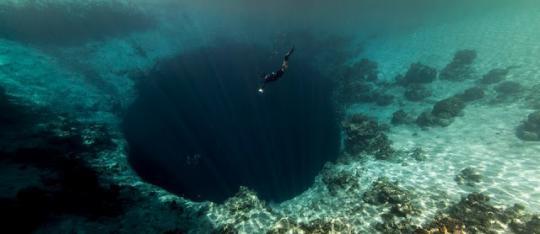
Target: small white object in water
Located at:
point(261, 91)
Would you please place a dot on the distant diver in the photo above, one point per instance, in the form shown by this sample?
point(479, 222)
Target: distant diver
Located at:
point(277, 74)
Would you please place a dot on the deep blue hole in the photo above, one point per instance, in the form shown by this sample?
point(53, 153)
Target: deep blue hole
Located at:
point(200, 129)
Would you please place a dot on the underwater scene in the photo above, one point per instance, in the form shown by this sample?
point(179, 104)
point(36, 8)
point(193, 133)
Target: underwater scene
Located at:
point(284, 116)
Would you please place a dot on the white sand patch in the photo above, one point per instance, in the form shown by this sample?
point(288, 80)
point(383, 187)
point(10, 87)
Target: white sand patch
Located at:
point(483, 139)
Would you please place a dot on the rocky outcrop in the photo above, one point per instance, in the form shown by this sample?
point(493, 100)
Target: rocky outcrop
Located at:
point(468, 176)
point(461, 66)
point(383, 191)
point(472, 94)
point(531, 226)
point(338, 180)
point(415, 79)
point(475, 214)
point(443, 112)
point(364, 70)
point(318, 226)
point(59, 147)
point(363, 135)
point(383, 99)
point(508, 88)
point(416, 93)
point(83, 178)
point(533, 97)
point(494, 76)
point(386, 193)
point(448, 108)
point(358, 92)
point(245, 205)
point(529, 130)
point(357, 84)
point(418, 154)
point(426, 119)
point(401, 117)
point(418, 73)
point(244, 201)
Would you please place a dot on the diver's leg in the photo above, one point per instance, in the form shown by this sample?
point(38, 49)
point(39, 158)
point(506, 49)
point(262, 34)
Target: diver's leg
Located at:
point(284, 65)
point(288, 54)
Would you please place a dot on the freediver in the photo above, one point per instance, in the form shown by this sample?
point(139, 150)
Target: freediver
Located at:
point(277, 74)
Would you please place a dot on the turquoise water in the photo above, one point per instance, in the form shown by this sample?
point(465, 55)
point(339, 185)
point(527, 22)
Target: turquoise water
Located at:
point(144, 117)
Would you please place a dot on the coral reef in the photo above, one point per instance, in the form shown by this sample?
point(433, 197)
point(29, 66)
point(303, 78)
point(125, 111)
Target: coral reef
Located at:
point(363, 135)
point(443, 112)
point(243, 201)
point(426, 119)
point(383, 99)
point(461, 66)
point(359, 91)
point(356, 84)
point(418, 154)
point(508, 88)
point(448, 108)
point(240, 208)
point(418, 74)
point(472, 94)
point(384, 192)
point(509, 91)
point(475, 214)
point(442, 224)
point(82, 177)
point(245, 206)
point(401, 117)
point(529, 227)
point(317, 226)
point(468, 176)
point(533, 97)
point(416, 92)
point(495, 76)
point(338, 180)
point(58, 146)
point(529, 130)
point(365, 70)
point(392, 225)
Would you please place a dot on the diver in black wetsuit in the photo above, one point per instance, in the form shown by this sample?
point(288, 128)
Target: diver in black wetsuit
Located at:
point(277, 74)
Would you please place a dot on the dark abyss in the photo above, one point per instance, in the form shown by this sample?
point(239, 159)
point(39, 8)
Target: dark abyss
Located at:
point(200, 129)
